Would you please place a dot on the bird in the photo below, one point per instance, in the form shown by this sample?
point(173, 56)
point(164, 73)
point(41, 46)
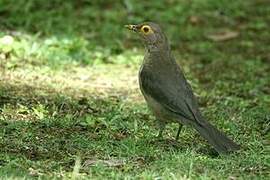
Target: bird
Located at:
point(167, 92)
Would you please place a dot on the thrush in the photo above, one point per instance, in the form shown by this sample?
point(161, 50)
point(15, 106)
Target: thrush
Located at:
point(167, 92)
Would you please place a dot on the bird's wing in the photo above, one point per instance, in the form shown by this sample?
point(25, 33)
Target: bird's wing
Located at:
point(174, 94)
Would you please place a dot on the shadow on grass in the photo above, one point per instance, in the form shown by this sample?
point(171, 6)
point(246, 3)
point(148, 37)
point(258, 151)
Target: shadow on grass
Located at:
point(40, 125)
point(58, 127)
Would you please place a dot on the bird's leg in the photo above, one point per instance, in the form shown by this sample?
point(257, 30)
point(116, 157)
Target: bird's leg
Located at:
point(161, 126)
point(178, 132)
point(159, 136)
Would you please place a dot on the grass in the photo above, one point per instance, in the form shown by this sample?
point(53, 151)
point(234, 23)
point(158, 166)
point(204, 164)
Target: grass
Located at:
point(70, 107)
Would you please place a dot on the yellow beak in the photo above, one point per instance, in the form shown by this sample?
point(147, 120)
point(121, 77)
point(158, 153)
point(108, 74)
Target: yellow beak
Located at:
point(131, 27)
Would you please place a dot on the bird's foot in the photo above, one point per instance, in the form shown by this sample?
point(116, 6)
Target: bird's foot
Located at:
point(178, 132)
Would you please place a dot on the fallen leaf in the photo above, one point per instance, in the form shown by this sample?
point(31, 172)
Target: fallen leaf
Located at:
point(194, 20)
point(109, 163)
point(34, 172)
point(223, 35)
point(232, 178)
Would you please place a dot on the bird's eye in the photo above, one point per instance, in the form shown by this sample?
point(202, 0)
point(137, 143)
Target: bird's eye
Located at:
point(146, 29)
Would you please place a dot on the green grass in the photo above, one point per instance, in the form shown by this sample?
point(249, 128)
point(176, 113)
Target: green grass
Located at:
point(70, 107)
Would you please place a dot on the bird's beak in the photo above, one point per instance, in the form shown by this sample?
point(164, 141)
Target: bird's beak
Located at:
point(132, 27)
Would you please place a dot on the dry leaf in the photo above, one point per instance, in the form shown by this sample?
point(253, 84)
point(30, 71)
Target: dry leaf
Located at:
point(34, 172)
point(109, 163)
point(194, 20)
point(232, 178)
point(223, 35)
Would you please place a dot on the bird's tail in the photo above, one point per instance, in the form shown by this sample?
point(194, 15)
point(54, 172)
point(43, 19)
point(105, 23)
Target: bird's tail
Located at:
point(216, 138)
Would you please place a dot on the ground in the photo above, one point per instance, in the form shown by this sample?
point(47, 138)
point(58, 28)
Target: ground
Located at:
point(70, 106)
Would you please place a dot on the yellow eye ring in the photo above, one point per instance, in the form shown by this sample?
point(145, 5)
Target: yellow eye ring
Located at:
point(146, 29)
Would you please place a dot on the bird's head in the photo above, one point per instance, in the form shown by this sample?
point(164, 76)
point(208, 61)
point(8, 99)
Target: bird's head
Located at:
point(150, 33)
